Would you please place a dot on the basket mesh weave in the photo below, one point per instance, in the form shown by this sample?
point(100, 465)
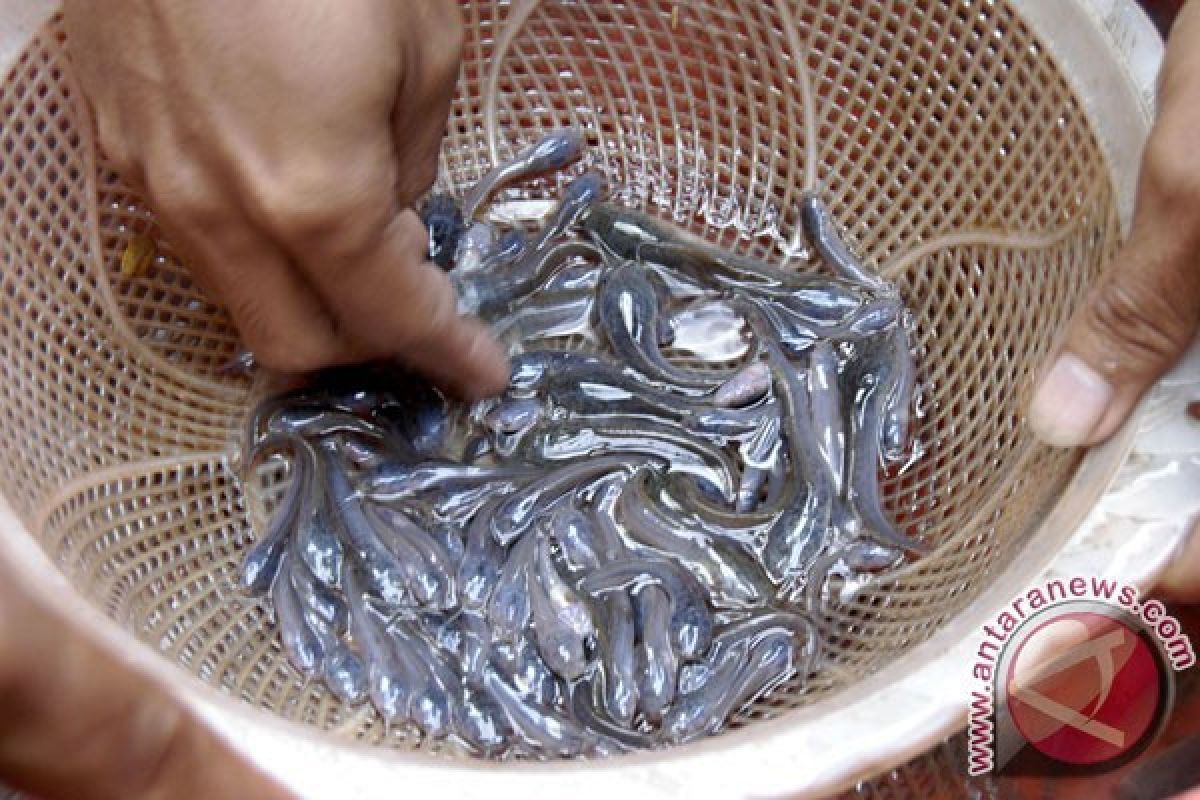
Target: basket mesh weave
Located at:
point(948, 145)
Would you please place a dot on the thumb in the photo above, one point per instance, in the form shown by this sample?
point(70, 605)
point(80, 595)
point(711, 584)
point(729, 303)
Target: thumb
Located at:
point(1133, 327)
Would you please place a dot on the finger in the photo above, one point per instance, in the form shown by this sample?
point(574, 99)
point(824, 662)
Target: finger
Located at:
point(79, 724)
point(395, 301)
point(366, 260)
point(278, 314)
point(425, 96)
point(1181, 581)
point(1131, 330)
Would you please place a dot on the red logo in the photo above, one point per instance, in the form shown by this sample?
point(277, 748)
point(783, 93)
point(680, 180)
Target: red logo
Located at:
point(1085, 688)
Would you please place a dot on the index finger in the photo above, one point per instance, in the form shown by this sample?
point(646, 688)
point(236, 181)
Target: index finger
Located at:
point(366, 259)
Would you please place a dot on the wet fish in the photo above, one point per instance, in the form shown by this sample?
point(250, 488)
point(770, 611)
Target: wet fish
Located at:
point(347, 676)
point(394, 482)
point(562, 622)
point(615, 632)
point(487, 293)
point(516, 514)
point(444, 221)
point(823, 235)
point(391, 570)
point(548, 316)
point(691, 620)
point(745, 387)
point(759, 453)
point(545, 730)
point(729, 573)
point(573, 440)
point(657, 662)
point(319, 598)
point(510, 607)
point(300, 643)
point(476, 243)
point(261, 563)
point(482, 559)
point(627, 307)
point(828, 423)
point(390, 682)
point(876, 374)
point(748, 661)
point(552, 152)
point(437, 567)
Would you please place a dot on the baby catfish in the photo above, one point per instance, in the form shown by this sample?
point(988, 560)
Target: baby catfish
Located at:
point(552, 152)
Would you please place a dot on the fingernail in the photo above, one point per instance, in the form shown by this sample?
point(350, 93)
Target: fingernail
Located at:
point(1069, 403)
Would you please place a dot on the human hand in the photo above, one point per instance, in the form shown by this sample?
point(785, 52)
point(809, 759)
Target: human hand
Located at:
point(77, 724)
point(282, 146)
point(1145, 313)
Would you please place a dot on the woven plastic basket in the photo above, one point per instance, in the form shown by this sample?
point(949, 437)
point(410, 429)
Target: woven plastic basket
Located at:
point(980, 153)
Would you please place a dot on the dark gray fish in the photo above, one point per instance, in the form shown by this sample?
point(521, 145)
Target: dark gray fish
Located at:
point(482, 559)
point(522, 666)
point(475, 244)
point(466, 636)
point(361, 452)
point(730, 423)
point(316, 538)
point(545, 730)
point(394, 482)
point(691, 620)
point(391, 685)
point(484, 727)
point(436, 565)
point(875, 374)
point(657, 662)
point(759, 452)
point(444, 221)
point(615, 632)
point(748, 661)
point(894, 432)
point(744, 388)
point(487, 293)
point(823, 235)
point(516, 514)
point(397, 577)
point(562, 622)
point(436, 689)
point(547, 316)
point(797, 535)
point(593, 386)
point(552, 152)
point(627, 307)
point(300, 642)
point(575, 534)
point(347, 676)
point(797, 332)
point(635, 235)
point(852, 563)
point(575, 439)
point(318, 597)
point(585, 708)
point(510, 607)
point(728, 572)
point(580, 271)
point(828, 423)
point(696, 509)
point(261, 563)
